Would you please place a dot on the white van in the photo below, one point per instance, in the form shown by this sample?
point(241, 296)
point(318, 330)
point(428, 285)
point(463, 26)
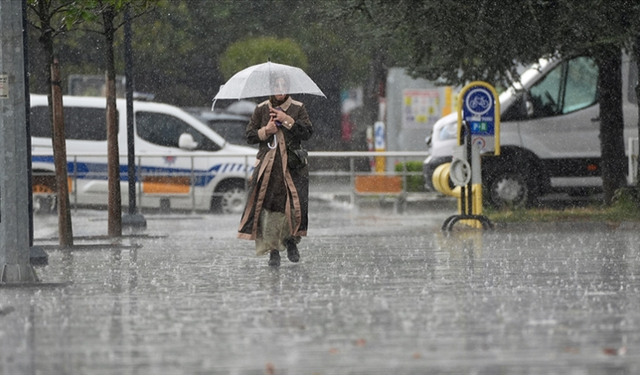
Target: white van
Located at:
point(181, 163)
point(549, 133)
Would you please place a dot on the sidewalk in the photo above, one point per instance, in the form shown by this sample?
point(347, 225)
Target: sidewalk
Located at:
point(375, 293)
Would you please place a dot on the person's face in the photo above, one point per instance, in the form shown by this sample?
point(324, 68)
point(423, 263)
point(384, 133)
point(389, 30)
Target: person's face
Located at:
point(280, 88)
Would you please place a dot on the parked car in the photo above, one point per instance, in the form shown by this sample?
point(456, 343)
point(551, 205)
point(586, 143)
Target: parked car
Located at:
point(230, 126)
point(549, 133)
point(180, 161)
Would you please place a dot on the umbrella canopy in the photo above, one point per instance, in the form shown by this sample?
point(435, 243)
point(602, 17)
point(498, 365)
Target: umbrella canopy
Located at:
point(257, 80)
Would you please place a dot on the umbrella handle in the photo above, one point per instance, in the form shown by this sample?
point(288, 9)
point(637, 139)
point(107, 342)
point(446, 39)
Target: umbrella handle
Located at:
point(275, 143)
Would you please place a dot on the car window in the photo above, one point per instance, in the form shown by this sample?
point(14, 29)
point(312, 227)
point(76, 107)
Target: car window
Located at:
point(165, 130)
point(570, 86)
point(80, 123)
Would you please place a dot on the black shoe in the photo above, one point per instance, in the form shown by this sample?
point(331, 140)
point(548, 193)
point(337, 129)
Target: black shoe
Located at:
point(274, 258)
point(292, 250)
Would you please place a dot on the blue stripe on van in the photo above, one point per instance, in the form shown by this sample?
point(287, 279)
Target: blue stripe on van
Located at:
point(98, 171)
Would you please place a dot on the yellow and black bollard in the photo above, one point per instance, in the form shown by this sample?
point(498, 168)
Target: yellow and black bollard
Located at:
point(478, 132)
point(465, 172)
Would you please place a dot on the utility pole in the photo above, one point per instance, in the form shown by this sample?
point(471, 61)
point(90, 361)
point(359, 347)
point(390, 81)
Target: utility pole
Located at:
point(15, 265)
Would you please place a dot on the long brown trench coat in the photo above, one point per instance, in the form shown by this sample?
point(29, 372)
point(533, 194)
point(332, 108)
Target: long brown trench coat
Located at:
point(273, 185)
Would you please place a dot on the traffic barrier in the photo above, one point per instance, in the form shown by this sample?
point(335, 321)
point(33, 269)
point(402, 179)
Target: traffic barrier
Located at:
point(378, 184)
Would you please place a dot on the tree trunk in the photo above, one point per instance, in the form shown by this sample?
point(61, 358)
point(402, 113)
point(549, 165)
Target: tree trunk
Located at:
point(611, 122)
point(53, 84)
point(374, 89)
point(45, 39)
point(65, 232)
point(113, 159)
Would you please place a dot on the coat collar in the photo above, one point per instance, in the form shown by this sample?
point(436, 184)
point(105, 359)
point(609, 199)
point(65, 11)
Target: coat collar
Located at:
point(285, 105)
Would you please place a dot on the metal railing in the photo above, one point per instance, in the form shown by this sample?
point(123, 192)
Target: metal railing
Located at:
point(332, 173)
point(367, 159)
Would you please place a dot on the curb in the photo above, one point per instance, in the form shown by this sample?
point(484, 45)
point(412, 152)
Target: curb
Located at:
point(575, 226)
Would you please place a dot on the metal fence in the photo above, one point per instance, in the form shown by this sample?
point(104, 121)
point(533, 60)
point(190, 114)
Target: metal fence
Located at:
point(350, 174)
point(357, 176)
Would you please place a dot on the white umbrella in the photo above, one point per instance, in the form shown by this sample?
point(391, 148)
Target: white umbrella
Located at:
point(257, 80)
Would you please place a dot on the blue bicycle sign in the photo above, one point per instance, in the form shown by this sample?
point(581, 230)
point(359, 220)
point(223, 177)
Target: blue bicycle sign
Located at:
point(479, 101)
point(479, 108)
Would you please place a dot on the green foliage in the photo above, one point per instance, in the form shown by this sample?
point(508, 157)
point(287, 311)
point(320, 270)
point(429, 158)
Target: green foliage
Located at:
point(254, 51)
point(626, 199)
point(461, 41)
point(55, 15)
point(178, 44)
point(415, 182)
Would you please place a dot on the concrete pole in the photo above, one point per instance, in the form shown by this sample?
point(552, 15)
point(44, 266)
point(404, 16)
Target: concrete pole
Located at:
point(14, 182)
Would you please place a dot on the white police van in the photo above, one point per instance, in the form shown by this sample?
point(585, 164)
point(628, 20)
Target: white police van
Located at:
point(550, 125)
point(181, 163)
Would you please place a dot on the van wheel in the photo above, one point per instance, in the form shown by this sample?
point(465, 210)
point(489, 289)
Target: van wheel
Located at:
point(508, 190)
point(229, 199)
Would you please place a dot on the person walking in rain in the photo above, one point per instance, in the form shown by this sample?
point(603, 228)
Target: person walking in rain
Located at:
point(276, 214)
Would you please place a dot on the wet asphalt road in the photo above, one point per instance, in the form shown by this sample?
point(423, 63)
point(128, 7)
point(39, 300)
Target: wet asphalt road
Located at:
point(375, 293)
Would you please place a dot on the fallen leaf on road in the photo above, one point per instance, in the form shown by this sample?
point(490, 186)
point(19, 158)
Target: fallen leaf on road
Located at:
point(615, 351)
point(269, 369)
point(572, 350)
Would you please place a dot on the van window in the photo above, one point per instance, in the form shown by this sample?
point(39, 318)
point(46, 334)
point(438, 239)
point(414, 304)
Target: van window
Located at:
point(570, 86)
point(545, 95)
point(581, 84)
point(80, 123)
point(165, 130)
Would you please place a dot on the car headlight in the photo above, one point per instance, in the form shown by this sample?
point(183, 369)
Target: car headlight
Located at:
point(449, 131)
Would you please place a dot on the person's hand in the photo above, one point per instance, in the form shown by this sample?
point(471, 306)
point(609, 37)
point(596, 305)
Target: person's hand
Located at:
point(281, 117)
point(271, 127)
point(277, 114)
